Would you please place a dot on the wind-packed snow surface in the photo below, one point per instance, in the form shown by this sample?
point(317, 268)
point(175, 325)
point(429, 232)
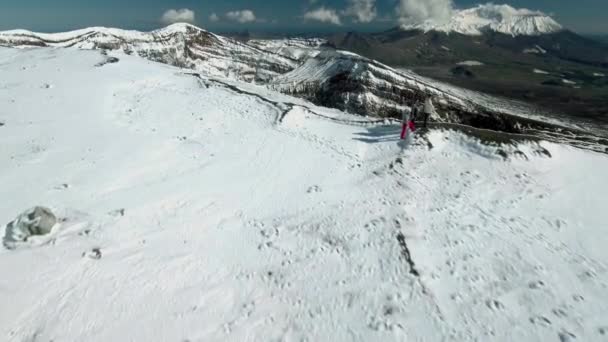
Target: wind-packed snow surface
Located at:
point(489, 17)
point(197, 209)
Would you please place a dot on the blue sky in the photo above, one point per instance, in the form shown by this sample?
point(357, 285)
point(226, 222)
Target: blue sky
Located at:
point(588, 16)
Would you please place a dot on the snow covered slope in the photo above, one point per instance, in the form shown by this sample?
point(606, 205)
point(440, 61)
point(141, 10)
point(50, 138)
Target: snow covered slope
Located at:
point(351, 82)
point(295, 48)
point(489, 17)
point(181, 45)
point(189, 211)
point(343, 80)
point(277, 62)
point(302, 67)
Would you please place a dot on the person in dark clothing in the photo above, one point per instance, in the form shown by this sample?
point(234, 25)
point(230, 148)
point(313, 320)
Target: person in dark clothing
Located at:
point(415, 112)
point(428, 110)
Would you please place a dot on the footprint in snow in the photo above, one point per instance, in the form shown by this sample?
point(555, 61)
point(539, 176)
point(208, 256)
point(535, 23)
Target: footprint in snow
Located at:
point(537, 284)
point(117, 212)
point(540, 321)
point(566, 336)
point(62, 186)
point(314, 189)
point(587, 275)
point(494, 305)
point(94, 254)
point(561, 313)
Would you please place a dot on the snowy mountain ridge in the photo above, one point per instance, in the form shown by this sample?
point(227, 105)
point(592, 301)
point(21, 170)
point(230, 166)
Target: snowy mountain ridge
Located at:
point(182, 45)
point(108, 31)
point(489, 17)
point(94, 37)
point(305, 68)
point(284, 65)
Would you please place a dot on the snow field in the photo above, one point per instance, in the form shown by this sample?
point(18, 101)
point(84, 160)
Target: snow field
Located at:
point(191, 213)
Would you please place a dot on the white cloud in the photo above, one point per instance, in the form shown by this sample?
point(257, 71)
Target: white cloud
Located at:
point(364, 11)
point(214, 18)
point(173, 16)
point(504, 11)
point(417, 11)
point(243, 16)
point(324, 15)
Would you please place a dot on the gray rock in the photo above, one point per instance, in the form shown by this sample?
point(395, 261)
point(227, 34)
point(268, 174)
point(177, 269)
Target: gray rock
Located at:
point(94, 254)
point(33, 222)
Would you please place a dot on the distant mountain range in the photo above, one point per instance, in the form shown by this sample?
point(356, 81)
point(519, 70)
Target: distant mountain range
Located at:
point(519, 54)
point(603, 38)
point(407, 47)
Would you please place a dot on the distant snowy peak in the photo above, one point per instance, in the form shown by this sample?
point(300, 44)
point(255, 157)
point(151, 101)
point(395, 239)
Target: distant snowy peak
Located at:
point(498, 18)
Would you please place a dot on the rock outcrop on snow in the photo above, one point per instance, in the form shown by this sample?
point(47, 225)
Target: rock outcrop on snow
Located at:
point(33, 222)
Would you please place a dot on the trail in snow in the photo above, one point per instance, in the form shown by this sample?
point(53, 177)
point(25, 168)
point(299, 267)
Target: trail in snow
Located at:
point(286, 106)
point(188, 213)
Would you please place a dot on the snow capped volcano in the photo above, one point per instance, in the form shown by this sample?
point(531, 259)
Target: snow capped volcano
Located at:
point(498, 18)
